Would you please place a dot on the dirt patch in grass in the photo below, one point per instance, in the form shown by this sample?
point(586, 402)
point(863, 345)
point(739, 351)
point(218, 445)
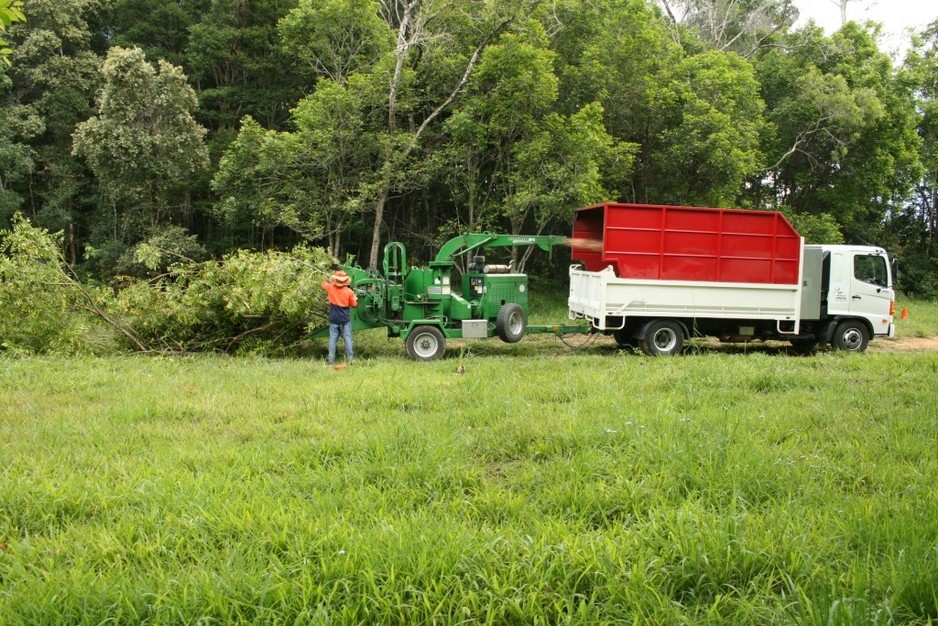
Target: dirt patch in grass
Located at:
point(905, 344)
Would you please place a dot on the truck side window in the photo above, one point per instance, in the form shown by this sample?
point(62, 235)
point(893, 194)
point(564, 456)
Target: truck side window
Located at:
point(870, 269)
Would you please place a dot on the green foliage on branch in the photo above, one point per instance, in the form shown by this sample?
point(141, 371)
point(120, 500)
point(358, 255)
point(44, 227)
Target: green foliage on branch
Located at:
point(11, 12)
point(41, 310)
point(247, 302)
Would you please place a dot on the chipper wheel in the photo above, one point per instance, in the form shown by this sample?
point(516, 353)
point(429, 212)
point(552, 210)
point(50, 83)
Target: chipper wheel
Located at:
point(511, 323)
point(425, 343)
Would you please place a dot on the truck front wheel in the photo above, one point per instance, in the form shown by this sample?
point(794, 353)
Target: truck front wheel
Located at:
point(662, 338)
point(425, 343)
point(851, 336)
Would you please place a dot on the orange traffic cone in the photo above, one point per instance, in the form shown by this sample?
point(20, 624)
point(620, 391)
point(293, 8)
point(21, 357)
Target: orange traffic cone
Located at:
point(905, 314)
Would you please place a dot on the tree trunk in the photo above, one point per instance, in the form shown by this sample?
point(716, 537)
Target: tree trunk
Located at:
point(842, 5)
point(407, 39)
point(376, 231)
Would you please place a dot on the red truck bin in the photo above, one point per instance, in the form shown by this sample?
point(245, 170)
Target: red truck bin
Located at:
point(687, 243)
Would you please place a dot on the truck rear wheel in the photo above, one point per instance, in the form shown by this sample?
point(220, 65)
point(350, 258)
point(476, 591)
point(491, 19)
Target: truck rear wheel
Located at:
point(425, 343)
point(510, 323)
point(852, 336)
point(662, 338)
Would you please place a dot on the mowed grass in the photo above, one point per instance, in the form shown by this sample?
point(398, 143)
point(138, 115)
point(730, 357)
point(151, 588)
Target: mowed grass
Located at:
point(540, 486)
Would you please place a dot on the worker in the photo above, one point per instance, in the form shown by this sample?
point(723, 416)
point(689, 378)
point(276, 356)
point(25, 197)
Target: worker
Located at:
point(341, 300)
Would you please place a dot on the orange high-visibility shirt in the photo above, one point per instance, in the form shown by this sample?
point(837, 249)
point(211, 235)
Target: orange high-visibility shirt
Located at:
point(341, 299)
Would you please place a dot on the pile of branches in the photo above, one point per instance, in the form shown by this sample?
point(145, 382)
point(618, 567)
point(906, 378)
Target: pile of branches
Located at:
point(259, 302)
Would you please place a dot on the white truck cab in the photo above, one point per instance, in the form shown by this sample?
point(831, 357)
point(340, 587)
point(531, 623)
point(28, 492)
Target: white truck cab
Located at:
point(852, 282)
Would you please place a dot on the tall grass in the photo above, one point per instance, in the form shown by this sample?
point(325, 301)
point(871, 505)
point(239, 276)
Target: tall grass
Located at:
point(921, 319)
point(557, 487)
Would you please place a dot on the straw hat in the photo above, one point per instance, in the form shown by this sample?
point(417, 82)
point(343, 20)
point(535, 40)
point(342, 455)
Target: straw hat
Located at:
point(340, 278)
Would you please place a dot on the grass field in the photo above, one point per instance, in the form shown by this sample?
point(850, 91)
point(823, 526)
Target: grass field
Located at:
point(541, 486)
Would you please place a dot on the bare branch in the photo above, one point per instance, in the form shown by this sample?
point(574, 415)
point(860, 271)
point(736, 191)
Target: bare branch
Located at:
point(92, 306)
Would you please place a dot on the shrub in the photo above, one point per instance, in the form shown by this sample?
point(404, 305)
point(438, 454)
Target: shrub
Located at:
point(40, 306)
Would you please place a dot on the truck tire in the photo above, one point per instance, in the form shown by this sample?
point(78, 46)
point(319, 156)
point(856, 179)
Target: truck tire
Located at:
point(510, 323)
point(425, 343)
point(662, 338)
point(851, 335)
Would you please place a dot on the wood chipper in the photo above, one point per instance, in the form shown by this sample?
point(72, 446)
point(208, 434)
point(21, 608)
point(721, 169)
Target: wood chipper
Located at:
point(422, 305)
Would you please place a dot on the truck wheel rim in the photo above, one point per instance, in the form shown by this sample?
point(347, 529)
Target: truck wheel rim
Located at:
point(426, 345)
point(665, 339)
point(853, 339)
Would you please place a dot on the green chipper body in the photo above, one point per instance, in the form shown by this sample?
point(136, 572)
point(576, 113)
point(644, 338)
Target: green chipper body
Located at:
point(425, 306)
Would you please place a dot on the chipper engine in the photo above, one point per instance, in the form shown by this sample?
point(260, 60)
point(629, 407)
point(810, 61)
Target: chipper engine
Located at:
point(423, 306)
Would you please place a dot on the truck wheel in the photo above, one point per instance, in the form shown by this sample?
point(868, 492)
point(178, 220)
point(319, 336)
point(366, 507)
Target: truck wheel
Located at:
point(851, 336)
point(662, 338)
point(425, 343)
point(510, 323)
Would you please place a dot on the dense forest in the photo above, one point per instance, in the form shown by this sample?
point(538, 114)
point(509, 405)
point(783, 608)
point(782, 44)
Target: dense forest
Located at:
point(154, 130)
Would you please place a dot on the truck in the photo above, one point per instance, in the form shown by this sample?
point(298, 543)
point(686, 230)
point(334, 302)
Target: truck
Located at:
point(653, 276)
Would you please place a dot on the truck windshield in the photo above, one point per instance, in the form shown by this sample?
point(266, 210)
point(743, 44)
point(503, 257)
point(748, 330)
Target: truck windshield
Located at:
point(871, 268)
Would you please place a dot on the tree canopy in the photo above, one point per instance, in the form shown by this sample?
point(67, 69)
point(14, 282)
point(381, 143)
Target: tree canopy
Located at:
point(217, 125)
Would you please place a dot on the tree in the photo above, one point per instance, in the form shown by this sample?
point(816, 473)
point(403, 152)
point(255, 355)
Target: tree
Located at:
point(143, 146)
point(18, 125)
point(336, 38)
point(309, 180)
point(842, 134)
point(250, 180)
point(842, 6)
point(614, 54)
point(235, 60)
point(741, 26)
point(708, 139)
point(914, 225)
point(159, 28)
point(513, 160)
point(434, 48)
point(53, 82)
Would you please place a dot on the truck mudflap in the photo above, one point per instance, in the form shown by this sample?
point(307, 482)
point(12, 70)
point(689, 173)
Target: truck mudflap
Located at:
point(826, 332)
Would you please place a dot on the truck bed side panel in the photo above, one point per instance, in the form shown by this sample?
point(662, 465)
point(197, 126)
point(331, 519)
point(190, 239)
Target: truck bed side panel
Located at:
point(597, 296)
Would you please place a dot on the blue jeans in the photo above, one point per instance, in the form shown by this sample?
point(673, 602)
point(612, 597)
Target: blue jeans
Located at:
point(346, 331)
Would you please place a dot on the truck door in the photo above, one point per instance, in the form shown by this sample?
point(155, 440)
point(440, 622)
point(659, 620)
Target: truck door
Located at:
point(871, 292)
